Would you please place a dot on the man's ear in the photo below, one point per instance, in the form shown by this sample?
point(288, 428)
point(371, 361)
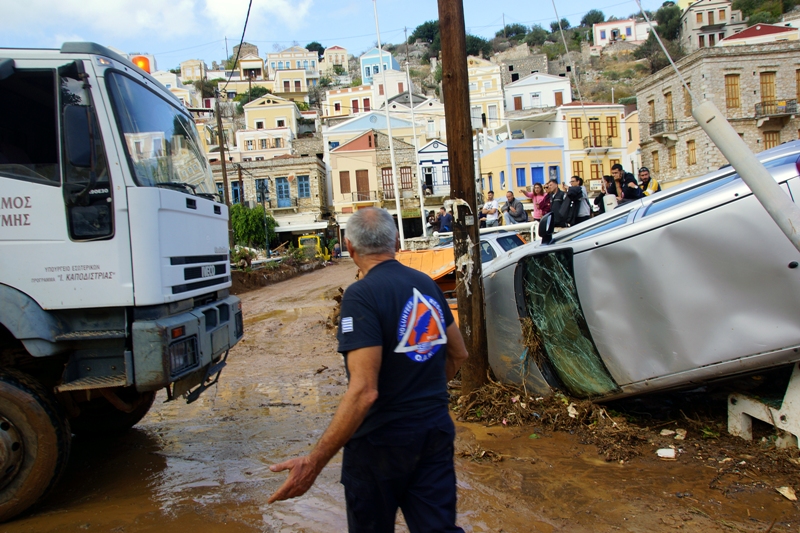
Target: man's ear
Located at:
point(349, 246)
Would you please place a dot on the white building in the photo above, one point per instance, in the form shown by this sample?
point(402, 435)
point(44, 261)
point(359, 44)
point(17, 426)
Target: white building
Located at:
point(537, 91)
point(630, 30)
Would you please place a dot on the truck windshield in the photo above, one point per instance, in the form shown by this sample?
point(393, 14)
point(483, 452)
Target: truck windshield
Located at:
point(160, 139)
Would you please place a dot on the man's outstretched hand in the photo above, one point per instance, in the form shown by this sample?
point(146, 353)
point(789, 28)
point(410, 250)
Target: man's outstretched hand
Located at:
point(302, 473)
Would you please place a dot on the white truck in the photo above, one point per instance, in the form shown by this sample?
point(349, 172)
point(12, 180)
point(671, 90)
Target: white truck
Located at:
point(114, 258)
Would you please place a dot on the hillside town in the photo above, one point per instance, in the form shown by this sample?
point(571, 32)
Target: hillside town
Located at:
point(306, 130)
point(544, 280)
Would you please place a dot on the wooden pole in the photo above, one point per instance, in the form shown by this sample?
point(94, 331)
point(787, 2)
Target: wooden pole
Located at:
point(225, 194)
point(469, 280)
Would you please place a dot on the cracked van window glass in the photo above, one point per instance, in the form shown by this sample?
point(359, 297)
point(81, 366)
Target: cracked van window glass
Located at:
point(566, 347)
point(29, 132)
point(160, 139)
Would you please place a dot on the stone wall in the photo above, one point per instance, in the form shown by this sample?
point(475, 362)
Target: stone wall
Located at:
point(706, 70)
point(282, 166)
point(522, 67)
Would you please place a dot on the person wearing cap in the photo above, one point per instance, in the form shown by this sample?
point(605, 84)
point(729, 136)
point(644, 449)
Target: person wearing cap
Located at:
point(648, 184)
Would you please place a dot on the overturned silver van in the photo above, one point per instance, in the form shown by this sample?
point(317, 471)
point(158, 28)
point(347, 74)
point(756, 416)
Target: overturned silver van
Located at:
point(691, 284)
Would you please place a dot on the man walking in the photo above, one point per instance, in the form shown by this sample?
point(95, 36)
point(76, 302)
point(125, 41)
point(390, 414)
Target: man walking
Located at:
point(401, 347)
point(491, 210)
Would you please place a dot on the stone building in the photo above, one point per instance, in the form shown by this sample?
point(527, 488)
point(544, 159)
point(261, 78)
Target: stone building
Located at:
point(755, 86)
point(294, 190)
point(518, 62)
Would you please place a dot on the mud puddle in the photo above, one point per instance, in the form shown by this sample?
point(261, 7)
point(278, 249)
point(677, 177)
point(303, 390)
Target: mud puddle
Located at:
point(204, 467)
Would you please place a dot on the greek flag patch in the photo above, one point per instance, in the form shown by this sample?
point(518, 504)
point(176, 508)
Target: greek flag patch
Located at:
point(347, 324)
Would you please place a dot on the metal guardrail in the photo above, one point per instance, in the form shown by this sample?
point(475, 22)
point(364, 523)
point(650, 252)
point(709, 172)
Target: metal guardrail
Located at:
point(663, 126)
point(770, 108)
point(597, 141)
point(364, 196)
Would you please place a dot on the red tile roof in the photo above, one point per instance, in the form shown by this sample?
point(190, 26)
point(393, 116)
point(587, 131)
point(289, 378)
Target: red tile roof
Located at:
point(759, 30)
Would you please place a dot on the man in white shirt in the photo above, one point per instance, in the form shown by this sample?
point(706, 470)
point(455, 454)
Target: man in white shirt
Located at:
point(491, 210)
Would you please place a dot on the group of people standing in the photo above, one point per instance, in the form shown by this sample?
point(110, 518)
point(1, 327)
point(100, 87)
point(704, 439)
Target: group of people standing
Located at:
point(570, 205)
point(621, 187)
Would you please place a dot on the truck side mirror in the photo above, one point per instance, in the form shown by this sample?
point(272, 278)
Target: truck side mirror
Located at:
point(546, 227)
point(78, 135)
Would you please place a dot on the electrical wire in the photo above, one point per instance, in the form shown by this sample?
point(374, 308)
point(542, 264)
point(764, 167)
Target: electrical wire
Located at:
point(241, 41)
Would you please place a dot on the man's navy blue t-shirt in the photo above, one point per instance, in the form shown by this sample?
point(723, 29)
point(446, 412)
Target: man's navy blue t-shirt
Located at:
point(403, 311)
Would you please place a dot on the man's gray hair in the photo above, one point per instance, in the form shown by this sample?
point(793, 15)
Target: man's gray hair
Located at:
point(372, 231)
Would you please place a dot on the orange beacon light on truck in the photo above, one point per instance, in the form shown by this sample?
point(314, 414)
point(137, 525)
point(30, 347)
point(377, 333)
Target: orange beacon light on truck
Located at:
point(142, 62)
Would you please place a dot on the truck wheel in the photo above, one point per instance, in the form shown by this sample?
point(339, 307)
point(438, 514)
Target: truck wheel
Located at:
point(98, 416)
point(34, 442)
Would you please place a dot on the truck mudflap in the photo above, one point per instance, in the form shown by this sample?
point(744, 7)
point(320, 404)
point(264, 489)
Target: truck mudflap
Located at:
point(187, 348)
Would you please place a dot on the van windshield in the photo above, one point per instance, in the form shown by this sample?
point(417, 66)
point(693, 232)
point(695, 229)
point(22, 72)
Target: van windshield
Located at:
point(160, 139)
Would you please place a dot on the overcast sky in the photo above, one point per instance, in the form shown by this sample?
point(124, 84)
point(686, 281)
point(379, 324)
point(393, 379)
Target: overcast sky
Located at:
point(176, 30)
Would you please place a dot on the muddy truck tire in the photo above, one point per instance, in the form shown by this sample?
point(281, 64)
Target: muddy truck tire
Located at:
point(99, 416)
point(34, 442)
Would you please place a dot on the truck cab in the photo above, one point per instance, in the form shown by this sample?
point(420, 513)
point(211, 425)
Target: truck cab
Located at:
point(114, 258)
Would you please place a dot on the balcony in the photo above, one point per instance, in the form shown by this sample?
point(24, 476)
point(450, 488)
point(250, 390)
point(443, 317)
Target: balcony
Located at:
point(664, 130)
point(362, 197)
point(597, 141)
point(776, 108)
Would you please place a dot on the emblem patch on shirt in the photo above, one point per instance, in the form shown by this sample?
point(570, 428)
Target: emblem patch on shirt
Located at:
point(347, 324)
point(421, 330)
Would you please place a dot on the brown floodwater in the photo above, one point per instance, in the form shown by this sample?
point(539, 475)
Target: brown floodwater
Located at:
point(204, 467)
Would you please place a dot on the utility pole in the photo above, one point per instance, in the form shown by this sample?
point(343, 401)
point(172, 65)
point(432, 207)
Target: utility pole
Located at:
point(395, 177)
point(416, 145)
point(223, 160)
point(241, 184)
point(466, 238)
point(478, 134)
point(504, 26)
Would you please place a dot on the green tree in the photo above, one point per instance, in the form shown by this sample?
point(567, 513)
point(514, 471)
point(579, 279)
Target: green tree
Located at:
point(774, 8)
point(554, 25)
point(669, 22)
point(356, 82)
point(651, 51)
point(325, 81)
point(478, 46)
point(248, 96)
point(593, 16)
point(514, 32)
point(437, 74)
point(762, 17)
point(248, 226)
point(206, 88)
point(427, 31)
point(339, 70)
point(537, 36)
point(314, 46)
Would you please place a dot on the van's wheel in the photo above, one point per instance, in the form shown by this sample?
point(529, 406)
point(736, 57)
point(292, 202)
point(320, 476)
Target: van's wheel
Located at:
point(99, 416)
point(34, 442)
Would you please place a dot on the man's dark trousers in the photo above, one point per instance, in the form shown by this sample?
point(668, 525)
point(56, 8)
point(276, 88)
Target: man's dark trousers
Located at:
point(407, 463)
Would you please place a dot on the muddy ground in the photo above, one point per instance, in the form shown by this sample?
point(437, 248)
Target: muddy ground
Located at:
point(204, 467)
